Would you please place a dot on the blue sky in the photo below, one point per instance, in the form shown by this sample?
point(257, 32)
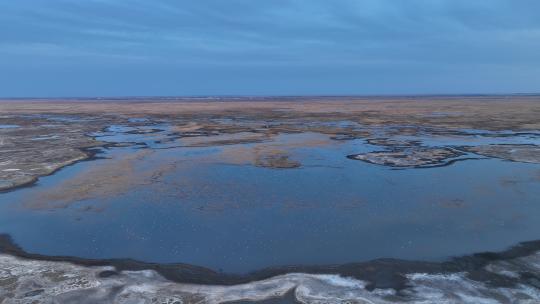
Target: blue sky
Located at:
point(268, 47)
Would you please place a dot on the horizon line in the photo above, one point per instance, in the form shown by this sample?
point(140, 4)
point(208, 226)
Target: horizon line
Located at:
point(256, 96)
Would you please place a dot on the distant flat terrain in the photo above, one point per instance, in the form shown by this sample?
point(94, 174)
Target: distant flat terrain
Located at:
point(67, 140)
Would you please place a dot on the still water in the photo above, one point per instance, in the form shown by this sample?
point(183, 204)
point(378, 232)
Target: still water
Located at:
point(240, 217)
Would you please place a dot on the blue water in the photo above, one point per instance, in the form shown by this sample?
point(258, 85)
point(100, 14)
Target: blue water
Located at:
point(8, 126)
point(239, 218)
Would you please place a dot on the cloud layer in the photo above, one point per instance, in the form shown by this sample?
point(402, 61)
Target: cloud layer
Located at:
point(246, 47)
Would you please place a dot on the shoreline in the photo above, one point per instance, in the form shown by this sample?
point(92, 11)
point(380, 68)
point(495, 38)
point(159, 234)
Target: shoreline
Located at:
point(378, 273)
point(270, 97)
point(90, 156)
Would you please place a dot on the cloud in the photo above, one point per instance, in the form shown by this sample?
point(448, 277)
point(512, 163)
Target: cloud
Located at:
point(382, 36)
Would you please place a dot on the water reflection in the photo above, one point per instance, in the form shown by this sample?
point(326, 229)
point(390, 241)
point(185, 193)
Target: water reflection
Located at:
point(215, 206)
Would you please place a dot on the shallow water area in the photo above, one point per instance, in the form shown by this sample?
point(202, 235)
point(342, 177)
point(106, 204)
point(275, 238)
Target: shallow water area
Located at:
point(238, 207)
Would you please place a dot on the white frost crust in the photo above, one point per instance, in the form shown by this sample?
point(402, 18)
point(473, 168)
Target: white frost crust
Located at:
point(24, 281)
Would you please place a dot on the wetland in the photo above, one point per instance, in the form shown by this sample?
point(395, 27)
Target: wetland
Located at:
point(293, 199)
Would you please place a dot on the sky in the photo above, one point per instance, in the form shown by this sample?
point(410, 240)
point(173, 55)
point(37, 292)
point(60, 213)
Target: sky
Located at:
point(78, 48)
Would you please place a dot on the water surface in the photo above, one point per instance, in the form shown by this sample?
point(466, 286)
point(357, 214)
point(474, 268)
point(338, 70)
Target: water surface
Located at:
point(237, 217)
